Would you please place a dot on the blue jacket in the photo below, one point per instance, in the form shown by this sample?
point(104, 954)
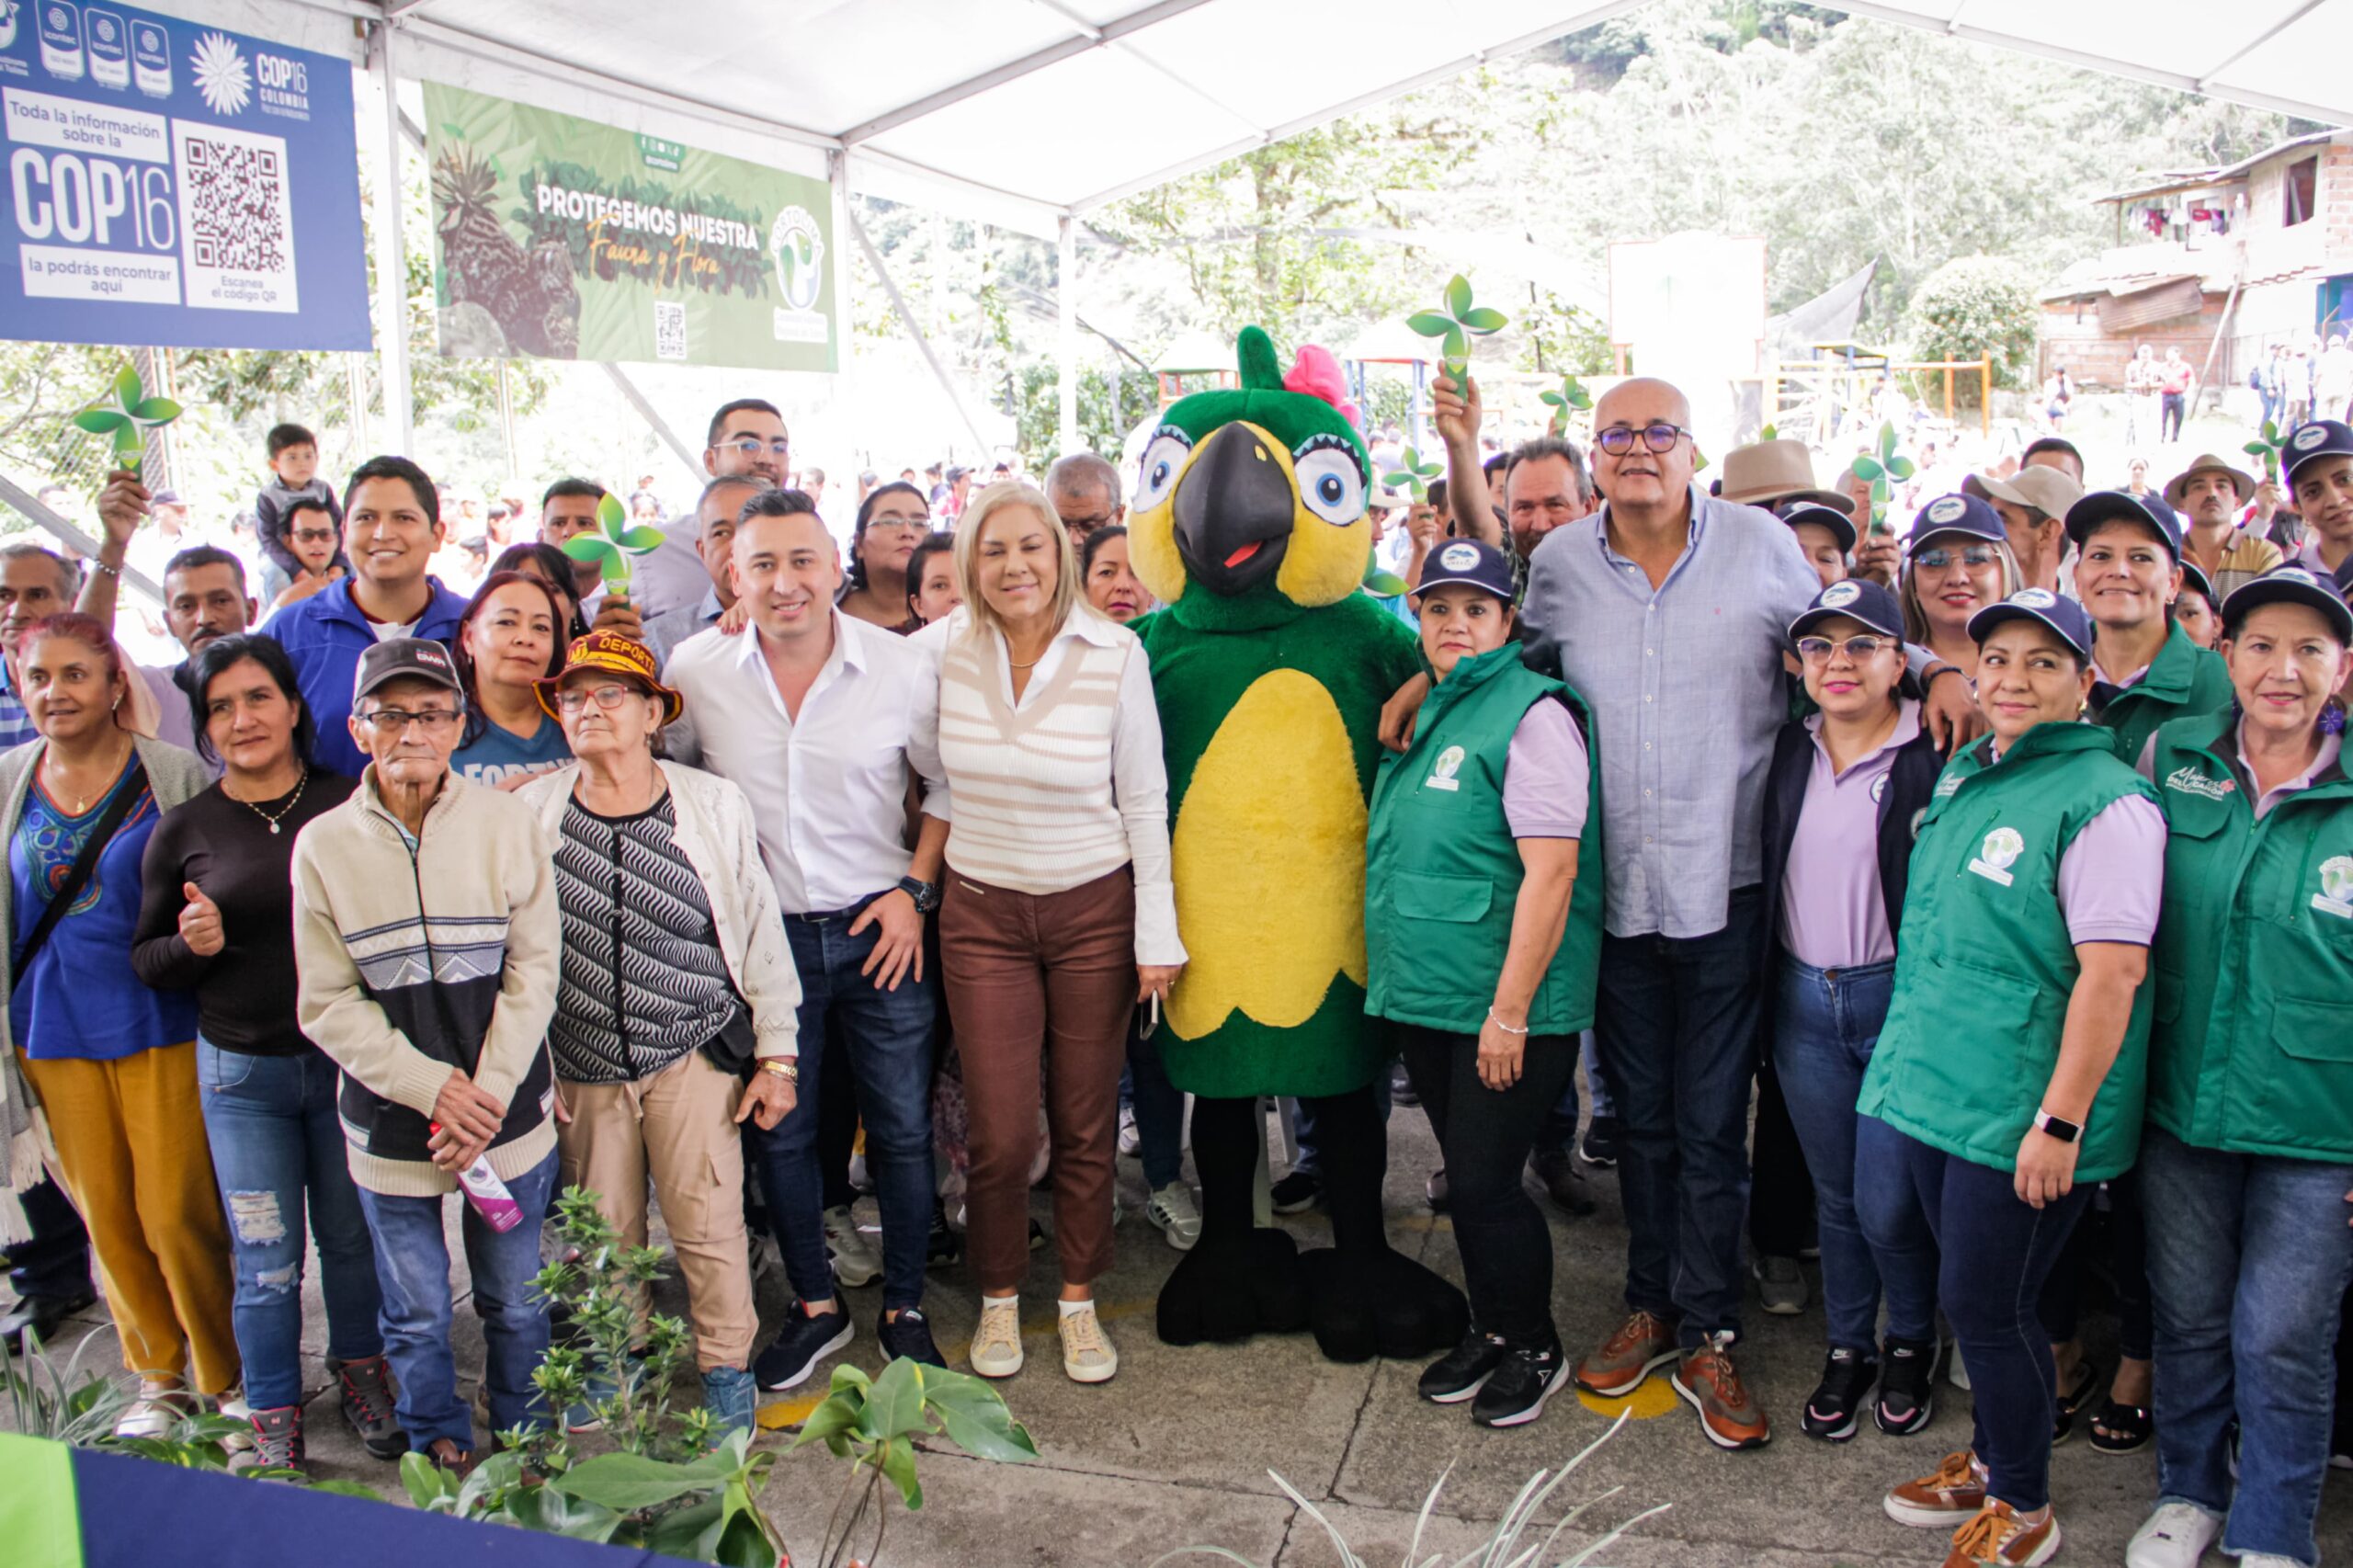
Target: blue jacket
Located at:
point(325, 636)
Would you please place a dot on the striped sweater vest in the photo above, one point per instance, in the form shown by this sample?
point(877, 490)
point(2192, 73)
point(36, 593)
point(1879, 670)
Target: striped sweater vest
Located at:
point(1034, 810)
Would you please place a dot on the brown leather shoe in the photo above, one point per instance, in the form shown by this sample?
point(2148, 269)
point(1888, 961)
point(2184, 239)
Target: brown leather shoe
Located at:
point(1996, 1535)
point(1710, 1384)
point(1947, 1495)
point(1626, 1357)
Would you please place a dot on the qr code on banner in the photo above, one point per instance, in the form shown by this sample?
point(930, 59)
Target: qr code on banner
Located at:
point(669, 329)
point(233, 197)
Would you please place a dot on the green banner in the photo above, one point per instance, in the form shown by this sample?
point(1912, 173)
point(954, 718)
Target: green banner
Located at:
point(560, 238)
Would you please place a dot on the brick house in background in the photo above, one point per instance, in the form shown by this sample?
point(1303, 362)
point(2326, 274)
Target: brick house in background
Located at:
point(2253, 254)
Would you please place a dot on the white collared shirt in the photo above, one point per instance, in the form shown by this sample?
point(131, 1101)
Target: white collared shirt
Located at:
point(829, 790)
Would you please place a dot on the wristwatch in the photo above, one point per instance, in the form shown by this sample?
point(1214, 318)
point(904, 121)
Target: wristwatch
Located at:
point(2058, 1127)
point(784, 1067)
point(926, 895)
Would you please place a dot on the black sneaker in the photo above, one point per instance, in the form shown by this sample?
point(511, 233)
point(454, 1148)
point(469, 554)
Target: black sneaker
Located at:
point(945, 1248)
point(1600, 1144)
point(1907, 1387)
point(908, 1335)
point(1464, 1368)
point(367, 1405)
point(1435, 1191)
point(1296, 1192)
point(804, 1341)
point(1563, 1183)
point(1836, 1408)
point(1401, 1086)
point(1515, 1393)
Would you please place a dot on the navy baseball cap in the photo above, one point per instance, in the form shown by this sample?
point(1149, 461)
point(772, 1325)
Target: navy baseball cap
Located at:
point(1841, 526)
point(1956, 514)
point(2321, 439)
point(2150, 511)
point(2193, 576)
point(1858, 598)
point(2291, 585)
point(1472, 563)
point(2064, 616)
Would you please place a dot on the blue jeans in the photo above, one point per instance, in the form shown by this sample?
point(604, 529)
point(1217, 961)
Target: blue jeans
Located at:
point(888, 1035)
point(277, 1150)
point(1160, 1112)
point(1921, 1207)
point(412, 1266)
point(1825, 1024)
point(1676, 1025)
point(2249, 1257)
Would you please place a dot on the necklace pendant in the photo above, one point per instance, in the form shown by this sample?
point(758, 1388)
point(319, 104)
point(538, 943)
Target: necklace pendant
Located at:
point(273, 830)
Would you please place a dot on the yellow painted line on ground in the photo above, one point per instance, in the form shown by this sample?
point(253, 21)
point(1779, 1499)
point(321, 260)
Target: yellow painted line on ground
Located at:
point(1653, 1399)
point(790, 1411)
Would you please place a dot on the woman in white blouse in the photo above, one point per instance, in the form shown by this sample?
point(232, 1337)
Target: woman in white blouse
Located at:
point(1057, 918)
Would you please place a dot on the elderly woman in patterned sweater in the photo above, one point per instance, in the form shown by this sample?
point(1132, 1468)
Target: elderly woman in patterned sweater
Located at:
point(674, 981)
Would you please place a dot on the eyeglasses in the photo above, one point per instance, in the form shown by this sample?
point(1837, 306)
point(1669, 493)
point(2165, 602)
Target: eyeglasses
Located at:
point(571, 699)
point(751, 446)
point(1937, 558)
point(396, 720)
point(314, 536)
point(1659, 436)
point(897, 521)
point(1817, 650)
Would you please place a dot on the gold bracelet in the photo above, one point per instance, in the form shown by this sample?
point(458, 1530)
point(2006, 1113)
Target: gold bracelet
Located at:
point(783, 1067)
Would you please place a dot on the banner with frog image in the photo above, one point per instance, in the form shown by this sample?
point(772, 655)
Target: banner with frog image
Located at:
point(560, 238)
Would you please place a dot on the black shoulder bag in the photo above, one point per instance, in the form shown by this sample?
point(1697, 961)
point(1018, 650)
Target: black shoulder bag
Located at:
point(86, 865)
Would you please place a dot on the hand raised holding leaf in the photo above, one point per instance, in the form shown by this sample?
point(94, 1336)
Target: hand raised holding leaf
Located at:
point(1887, 465)
point(134, 414)
point(615, 546)
point(2266, 447)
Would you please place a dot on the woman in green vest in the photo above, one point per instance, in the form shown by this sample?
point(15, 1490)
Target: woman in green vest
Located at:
point(1481, 938)
point(2130, 570)
point(2248, 1161)
point(2007, 1079)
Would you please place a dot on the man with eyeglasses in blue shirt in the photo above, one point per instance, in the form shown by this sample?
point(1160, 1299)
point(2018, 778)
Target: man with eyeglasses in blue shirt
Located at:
point(748, 440)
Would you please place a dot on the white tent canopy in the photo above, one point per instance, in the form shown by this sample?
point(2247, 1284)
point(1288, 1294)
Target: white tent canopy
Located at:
point(1028, 113)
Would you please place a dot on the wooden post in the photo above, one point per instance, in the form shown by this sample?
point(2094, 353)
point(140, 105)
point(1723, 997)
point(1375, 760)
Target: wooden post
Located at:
point(1947, 392)
point(1985, 394)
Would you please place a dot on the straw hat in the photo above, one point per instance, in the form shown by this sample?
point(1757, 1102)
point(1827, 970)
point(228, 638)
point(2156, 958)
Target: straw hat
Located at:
point(1765, 471)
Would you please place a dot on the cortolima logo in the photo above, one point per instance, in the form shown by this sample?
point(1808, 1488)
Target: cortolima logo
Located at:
point(1458, 557)
point(1839, 596)
point(1947, 510)
point(2034, 599)
point(2308, 437)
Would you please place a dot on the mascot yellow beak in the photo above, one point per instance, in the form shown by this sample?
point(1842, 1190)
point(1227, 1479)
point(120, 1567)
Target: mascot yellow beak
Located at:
point(1234, 508)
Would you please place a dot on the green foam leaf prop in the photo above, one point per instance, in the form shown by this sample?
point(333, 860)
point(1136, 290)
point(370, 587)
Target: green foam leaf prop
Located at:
point(1571, 395)
point(132, 414)
point(615, 546)
point(1415, 477)
point(1455, 318)
point(2268, 446)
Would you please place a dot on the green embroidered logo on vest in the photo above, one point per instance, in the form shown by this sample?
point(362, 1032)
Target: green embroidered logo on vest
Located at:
point(2336, 895)
point(1948, 785)
point(1442, 772)
point(2190, 781)
point(1998, 854)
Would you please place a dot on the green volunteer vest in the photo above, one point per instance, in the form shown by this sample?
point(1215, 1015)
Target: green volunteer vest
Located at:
point(1986, 964)
point(2182, 681)
point(2251, 1050)
point(1442, 872)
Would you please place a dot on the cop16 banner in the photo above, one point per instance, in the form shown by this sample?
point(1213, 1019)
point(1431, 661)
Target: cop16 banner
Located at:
point(560, 238)
point(176, 185)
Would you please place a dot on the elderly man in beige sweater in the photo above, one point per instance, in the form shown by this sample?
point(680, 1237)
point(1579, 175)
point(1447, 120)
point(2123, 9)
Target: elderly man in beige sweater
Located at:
point(426, 941)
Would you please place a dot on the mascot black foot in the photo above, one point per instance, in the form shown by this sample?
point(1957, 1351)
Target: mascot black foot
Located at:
point(1269, 668)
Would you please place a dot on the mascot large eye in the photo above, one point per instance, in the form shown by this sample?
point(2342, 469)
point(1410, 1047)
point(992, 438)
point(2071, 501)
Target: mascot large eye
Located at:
point(1329, 481)
point(1163, 458)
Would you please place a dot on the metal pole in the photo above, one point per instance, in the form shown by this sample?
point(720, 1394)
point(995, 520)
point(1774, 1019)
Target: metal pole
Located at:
point(30, 505)
point(392, 256)
point(637, 400)
point(923, 343)
point(1985, 394)
point(1066, 363)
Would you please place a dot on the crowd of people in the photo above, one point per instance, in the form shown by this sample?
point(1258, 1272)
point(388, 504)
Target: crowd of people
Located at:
point(1997, 872)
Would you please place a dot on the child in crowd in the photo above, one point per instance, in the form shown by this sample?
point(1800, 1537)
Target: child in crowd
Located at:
point(293, 475)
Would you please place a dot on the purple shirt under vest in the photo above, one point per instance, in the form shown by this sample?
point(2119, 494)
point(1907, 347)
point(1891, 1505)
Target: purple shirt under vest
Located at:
point(1547, 775)
point(1833, 914)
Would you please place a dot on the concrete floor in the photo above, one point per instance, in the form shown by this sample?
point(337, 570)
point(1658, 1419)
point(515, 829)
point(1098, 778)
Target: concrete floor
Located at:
point(1177, 1451)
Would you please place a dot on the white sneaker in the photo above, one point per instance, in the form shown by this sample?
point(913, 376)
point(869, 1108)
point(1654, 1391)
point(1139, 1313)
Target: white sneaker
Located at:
point(855, 1263)
point(2176, 1535)
point(1130, 1141)
point(1179, 1217)
point(996, 1343)
point(234, 1406)
point(1087, 1354)
point(151, 1413)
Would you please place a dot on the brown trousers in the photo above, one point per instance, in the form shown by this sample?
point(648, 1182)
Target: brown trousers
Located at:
point(132, 1156)
point(680, 1124)
point(1030, 976)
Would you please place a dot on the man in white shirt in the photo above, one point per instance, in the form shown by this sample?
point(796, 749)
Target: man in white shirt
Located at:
point(822, 722)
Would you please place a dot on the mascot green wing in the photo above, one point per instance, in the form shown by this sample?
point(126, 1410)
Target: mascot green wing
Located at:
point(1271, 669)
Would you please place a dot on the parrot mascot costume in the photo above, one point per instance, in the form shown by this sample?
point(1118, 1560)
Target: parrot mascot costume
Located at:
point(1271, 669)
